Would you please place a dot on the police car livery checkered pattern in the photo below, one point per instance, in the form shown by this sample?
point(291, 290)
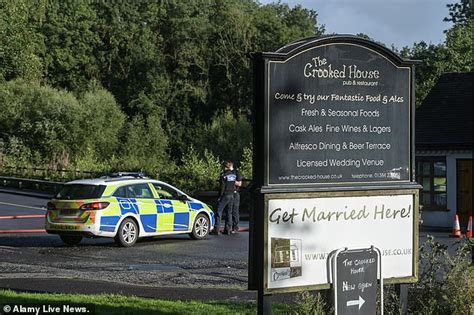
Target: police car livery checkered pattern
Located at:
point(167, 215)
point(155, 216)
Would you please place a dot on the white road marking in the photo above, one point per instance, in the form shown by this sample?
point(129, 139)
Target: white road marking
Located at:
point(22, 206)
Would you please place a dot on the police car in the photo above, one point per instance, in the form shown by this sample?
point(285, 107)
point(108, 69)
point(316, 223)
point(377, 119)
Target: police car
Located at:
point(125, 206)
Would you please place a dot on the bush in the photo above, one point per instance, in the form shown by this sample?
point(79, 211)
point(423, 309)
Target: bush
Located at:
point(49, 128)
point(308, 303)
point(45, 120)
point(103, 121)
point(246, 165)
point(14, 154)
point(226, 136)
point(143, 147)
point(446, 285)
point(196, 173)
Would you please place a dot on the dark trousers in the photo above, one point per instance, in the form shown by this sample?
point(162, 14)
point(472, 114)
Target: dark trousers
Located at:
point(235, 211)
point(225, 202)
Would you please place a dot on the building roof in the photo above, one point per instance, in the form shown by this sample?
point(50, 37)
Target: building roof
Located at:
point(444, 120)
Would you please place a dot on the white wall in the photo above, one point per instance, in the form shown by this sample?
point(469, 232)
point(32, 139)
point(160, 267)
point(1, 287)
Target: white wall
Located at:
point(445, 219)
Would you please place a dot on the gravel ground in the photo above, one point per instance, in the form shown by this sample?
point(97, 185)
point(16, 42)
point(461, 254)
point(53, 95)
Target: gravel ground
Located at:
point(217, 262)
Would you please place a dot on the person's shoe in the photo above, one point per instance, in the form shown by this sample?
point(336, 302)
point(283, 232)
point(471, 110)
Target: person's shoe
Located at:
point(227, 232)
point(214, 232)
point(235, 230)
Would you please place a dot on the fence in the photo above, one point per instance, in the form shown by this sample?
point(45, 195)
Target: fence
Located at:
point(41, 179)
point(49, 187)
point(45, 173)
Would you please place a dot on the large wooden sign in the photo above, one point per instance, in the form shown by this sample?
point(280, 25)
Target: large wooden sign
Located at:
point(304, 228)
point(337, 113)
point(333, 162)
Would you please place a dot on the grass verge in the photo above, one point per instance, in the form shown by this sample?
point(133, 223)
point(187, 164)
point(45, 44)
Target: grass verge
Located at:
point(118, 304)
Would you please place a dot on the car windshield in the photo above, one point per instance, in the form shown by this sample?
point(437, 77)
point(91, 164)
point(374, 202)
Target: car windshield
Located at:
point(80, 191)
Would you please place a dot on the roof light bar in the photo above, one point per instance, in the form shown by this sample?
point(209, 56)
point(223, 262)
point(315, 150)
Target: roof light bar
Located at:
point(128, 174)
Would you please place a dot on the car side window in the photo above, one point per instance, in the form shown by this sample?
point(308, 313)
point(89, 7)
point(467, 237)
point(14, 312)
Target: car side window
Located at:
point(120, 192)
point(134, 191)
point(165, 192)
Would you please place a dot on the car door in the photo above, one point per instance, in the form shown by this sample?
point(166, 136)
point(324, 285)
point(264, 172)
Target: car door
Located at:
point(138, 199)
point(173, 211)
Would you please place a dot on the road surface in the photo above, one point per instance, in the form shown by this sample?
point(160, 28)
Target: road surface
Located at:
point(158, 265)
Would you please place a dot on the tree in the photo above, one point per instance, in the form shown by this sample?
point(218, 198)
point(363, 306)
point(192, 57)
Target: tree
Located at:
point(130, 50)
point(459, 13)
point(428, 72)
point(233, 37)
point(225, 136)
point(454, 55)
point(138, 81)
point(20, 44)
point(143, 141)
point(45, 120)
point(277, 25)
point(102, 123)
point(71, 40)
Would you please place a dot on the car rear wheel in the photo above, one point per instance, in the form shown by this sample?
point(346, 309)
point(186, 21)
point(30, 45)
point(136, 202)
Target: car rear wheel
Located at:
point(201, 227)
point(71, 239)
point(127, 233)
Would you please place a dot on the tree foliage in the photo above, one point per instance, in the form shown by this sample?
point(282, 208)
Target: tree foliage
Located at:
point(459, 13)
point(454, 55)
point(70, 43)
point(134, 84)
point(43, 118)
point(56, 125)
point(226, 136)
point(20, 42)
point(197, 171)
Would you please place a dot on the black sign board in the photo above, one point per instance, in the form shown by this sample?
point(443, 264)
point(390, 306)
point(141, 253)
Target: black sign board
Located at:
point(337, 112)
point(333, 115)
point(356, 282)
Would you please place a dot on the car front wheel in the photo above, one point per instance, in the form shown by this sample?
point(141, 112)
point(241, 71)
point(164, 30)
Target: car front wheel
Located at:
point(71, 239)
point(201, 227)
point(127, 233)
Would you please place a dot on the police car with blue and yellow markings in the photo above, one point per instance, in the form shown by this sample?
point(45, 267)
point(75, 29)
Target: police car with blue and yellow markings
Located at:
point(125, 206)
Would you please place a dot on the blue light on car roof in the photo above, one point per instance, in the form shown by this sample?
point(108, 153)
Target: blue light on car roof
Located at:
point(129, 174)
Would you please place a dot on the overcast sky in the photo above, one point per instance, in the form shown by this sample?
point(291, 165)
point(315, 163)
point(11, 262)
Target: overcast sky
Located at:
point(397, 22)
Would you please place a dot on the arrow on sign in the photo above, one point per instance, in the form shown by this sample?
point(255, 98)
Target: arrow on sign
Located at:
point(359, 302)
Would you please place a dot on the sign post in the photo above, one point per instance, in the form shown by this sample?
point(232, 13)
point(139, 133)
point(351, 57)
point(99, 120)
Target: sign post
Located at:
point(333, 162)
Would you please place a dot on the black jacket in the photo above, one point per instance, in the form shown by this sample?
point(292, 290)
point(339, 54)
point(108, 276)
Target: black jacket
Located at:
point(227, 181)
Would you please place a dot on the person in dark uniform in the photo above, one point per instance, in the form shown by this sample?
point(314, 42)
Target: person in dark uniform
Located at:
point(226, 197)
point(236, 203)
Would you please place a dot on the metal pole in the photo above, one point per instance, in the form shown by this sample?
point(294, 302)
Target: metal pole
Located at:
point(264, 304)
point(334, 276)
point(402, 291)
point(379, 254)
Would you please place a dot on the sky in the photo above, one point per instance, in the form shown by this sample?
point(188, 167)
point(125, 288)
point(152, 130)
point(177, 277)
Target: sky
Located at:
point(397, 22)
